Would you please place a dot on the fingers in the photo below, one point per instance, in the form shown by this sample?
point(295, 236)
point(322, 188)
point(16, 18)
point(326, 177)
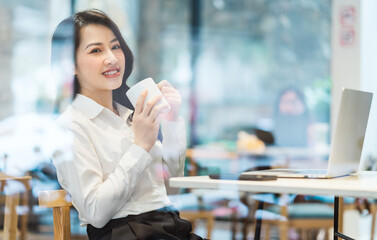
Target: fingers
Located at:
point(158, 119)
point(172, 96)
point(165, 87)
point(157, 111)
point(145, 109)
point(169, 92)
point(163, 83)
point(152, 109)
point(140, 101)
point(150, 105)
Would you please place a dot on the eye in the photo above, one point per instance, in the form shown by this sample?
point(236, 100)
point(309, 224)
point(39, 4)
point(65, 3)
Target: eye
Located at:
point(95, 50)
point(116, 46)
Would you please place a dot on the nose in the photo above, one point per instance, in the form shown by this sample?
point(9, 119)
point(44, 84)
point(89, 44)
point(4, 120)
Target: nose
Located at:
point(110, 58)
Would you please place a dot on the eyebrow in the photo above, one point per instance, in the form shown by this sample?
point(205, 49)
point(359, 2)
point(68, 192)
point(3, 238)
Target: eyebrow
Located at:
point(99, 43)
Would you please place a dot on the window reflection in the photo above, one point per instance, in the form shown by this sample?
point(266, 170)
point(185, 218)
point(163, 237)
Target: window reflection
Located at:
point(229, 59)
point(249, 51)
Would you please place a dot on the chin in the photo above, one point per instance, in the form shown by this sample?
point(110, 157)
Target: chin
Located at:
point(115, 87)
point(115, 84)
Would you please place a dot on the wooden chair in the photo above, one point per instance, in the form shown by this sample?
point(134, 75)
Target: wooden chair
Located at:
point(300, 216)
point(11, 212)
point(345, 205)
point(325, 222)
point(373, 211)
point(192, 216)
point(60, 202)
point(191, 208)
point(206, 213)
point(202, 212)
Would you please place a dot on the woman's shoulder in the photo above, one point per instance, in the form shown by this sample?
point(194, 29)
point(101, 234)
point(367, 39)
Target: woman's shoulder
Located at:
point(71, 118)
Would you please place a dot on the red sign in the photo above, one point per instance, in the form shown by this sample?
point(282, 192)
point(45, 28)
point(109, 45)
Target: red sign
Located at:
point(347, 26)
point(348, 16)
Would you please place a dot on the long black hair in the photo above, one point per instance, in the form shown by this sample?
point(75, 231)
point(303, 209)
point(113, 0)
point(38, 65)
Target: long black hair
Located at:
point(66, 40)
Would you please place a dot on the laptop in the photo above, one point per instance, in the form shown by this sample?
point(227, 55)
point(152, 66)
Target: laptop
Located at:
point(347, 142)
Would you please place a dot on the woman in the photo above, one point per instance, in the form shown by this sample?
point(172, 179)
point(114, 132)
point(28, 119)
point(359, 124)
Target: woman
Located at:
point(116, 170)
point(291, 115)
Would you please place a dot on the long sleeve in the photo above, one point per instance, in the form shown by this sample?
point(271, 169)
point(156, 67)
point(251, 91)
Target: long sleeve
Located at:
point(107, 175)
point(174, 147)
point(98, 197)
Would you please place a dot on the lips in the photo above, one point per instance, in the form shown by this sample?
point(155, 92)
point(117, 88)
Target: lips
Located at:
point(111, 72)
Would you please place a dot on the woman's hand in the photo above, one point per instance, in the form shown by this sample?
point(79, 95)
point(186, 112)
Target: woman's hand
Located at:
point(173, 97)
point(146, 121)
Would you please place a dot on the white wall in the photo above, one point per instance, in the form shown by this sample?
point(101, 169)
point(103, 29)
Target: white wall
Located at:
point(345, 64)
point(369, 70)
point(354, 58)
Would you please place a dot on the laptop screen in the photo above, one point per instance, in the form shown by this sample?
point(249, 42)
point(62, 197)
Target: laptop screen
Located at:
point(348, 139)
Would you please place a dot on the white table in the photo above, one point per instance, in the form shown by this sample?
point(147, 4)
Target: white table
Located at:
point(363, 185)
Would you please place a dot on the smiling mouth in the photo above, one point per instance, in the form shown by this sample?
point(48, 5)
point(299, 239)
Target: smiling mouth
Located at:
point(111, 72)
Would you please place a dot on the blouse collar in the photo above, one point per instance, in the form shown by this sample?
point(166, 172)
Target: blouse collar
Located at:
point(92, 109)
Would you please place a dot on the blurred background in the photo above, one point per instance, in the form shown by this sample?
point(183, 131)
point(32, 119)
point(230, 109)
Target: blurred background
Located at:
point(231, 60)
point(255, 76)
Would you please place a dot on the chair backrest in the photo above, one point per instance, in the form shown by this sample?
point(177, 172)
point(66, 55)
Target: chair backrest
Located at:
point(60, 201)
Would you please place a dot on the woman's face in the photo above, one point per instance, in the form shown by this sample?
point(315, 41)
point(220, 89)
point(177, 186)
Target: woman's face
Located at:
point(100, 60)
point(291, 104)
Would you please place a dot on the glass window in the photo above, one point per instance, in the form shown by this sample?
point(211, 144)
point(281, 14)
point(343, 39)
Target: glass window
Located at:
point(235, 64)
point(231, 60)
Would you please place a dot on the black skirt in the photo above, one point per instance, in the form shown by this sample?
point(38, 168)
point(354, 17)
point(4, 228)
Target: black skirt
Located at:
point(164, 223)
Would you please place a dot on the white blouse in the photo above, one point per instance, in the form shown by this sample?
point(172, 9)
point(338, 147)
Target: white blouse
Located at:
point(107, 175)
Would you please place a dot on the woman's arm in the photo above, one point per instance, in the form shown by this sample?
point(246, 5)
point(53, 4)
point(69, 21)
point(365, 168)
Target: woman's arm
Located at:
point(174, 147)
point(80, 173)
point(174, 151)
point(173, 132)
point(97, 197)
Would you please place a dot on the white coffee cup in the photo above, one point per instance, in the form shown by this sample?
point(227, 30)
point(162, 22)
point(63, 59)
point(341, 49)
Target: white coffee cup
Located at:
point(134, 92)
